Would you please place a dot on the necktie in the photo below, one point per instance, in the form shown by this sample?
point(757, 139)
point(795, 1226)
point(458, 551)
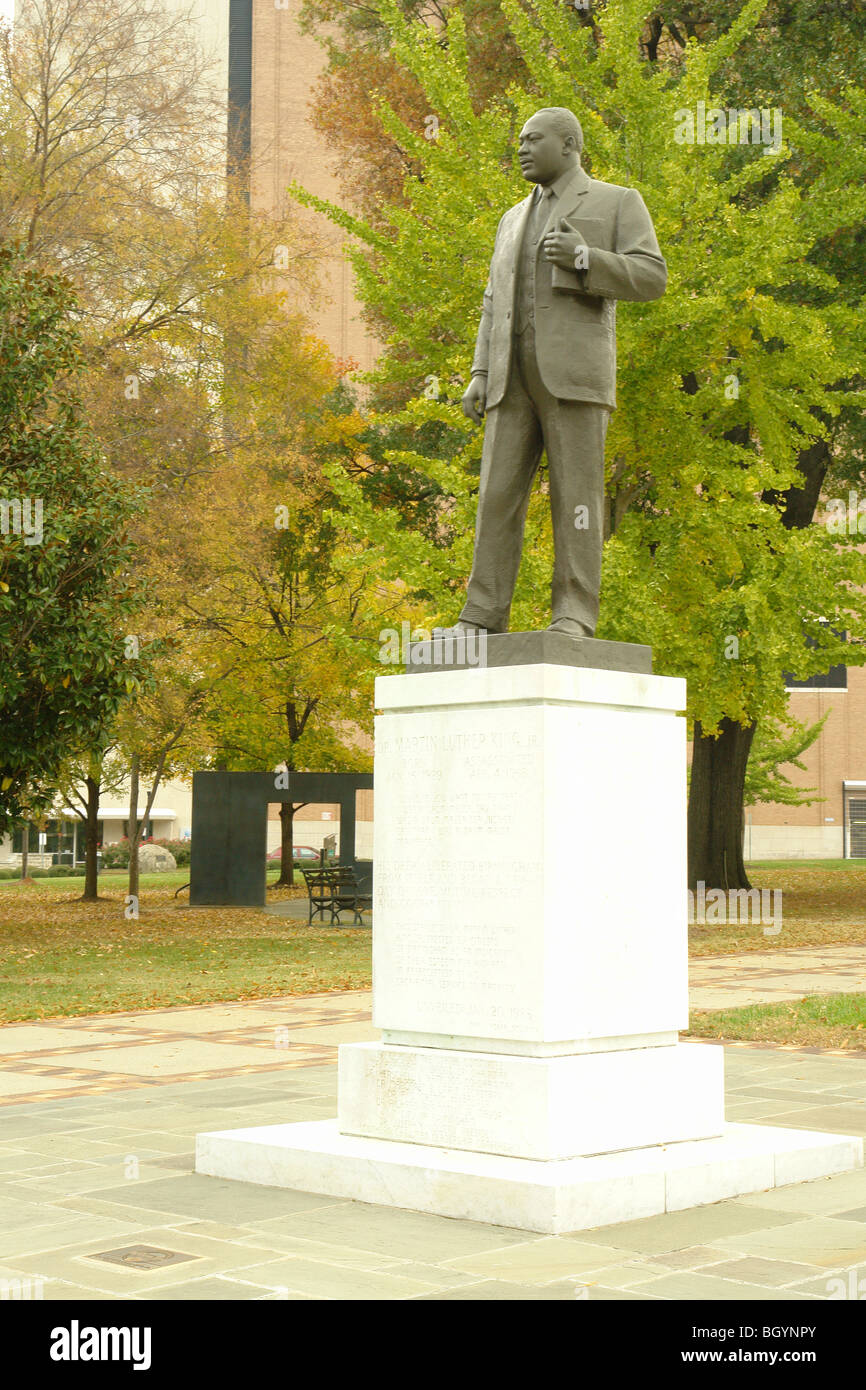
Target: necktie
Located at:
point(541, 212)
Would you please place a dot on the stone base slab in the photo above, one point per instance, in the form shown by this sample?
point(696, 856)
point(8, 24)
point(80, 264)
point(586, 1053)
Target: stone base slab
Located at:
point(527, 649)
point(544, 1108)
point(574, 1195)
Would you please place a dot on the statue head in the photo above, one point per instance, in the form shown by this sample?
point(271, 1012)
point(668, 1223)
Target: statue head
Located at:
point(549, 144)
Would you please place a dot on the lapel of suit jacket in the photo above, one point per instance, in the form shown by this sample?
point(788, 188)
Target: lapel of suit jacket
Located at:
point(570, 201)
point(516, 231)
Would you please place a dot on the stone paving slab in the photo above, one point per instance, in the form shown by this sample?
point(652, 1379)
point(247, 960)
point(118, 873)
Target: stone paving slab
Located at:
point(653, 1236)
point(827, 1241)
point(701, 1284)
point(318, 1279)
point(813, 1198)
point(541, 1261)
point(212, 1290)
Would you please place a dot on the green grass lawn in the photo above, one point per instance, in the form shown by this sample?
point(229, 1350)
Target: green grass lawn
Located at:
point(112, 880)
point(152, 973)
point(823, 903)
point(60, 956)
point(823, 1020)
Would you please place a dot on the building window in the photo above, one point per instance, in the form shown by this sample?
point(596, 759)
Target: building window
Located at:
point(834, 679)
point(240, 81)
point(59, 838)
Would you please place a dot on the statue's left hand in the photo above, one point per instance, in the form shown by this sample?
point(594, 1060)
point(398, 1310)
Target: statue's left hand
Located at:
point(561, 245)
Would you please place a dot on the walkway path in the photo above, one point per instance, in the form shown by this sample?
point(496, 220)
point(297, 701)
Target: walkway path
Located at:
point(755, 977)
point(155, 1047)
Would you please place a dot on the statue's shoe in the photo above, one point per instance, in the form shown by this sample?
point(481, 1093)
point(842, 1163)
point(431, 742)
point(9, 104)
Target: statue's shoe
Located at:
point(570, 627)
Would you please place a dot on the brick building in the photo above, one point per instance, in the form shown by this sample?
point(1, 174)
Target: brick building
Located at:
point(282, 68)
point(835, 827)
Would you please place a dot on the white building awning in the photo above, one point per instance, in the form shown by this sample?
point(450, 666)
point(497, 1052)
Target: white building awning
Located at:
point(158, 813)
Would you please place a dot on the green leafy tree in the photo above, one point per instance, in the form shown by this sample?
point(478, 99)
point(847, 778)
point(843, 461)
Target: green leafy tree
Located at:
point(777, 745)
point(65, 596)
point(83, 780)
point(722, 385)
point(162, 733)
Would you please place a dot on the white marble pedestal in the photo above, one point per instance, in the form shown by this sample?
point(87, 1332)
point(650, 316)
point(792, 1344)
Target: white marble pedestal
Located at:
point(529, 971)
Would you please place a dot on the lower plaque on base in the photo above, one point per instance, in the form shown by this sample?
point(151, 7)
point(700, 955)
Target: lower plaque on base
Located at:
point(545, 1108)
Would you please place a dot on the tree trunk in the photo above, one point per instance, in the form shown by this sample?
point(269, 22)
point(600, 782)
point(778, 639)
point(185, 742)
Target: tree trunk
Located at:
point(91, 842)
point(716, 806)
point(25, 849)
point(287, 843)
point(132, 887)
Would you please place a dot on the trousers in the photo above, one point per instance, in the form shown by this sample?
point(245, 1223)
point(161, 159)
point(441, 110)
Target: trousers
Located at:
point(527, 421)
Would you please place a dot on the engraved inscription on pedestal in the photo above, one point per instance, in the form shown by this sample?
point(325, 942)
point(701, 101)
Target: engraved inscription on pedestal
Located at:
point(502, 909)
point(458, 871)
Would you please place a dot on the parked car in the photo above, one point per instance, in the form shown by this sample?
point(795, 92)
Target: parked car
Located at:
point(303, 855)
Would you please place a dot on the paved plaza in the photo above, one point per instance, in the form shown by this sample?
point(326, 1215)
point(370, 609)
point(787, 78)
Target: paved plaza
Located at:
point(98, 1118)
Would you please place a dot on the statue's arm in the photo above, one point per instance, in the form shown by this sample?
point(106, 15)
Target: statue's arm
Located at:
point(482, 341)
point(475, 396)
point(635, 269)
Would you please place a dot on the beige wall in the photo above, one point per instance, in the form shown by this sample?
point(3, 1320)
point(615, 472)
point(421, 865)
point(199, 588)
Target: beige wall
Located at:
point(286, 148)
point(792, 841)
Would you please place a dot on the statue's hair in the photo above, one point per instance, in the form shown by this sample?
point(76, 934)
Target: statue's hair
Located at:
point(565, 123)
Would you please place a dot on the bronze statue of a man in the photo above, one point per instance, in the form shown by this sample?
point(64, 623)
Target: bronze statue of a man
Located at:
point(545, 368)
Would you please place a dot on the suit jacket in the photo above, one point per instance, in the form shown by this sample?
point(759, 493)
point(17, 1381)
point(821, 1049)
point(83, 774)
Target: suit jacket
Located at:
point(575, 311)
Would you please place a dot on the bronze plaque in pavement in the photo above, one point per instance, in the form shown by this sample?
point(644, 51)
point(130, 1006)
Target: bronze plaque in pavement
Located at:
point(143, 1257)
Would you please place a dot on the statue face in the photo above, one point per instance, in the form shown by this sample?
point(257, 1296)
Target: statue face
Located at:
point(543, 154)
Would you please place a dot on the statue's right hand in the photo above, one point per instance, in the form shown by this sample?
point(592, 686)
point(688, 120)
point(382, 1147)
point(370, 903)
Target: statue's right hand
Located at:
point(475, 399)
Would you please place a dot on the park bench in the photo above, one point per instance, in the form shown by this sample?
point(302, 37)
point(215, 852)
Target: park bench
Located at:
point(334, 890)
